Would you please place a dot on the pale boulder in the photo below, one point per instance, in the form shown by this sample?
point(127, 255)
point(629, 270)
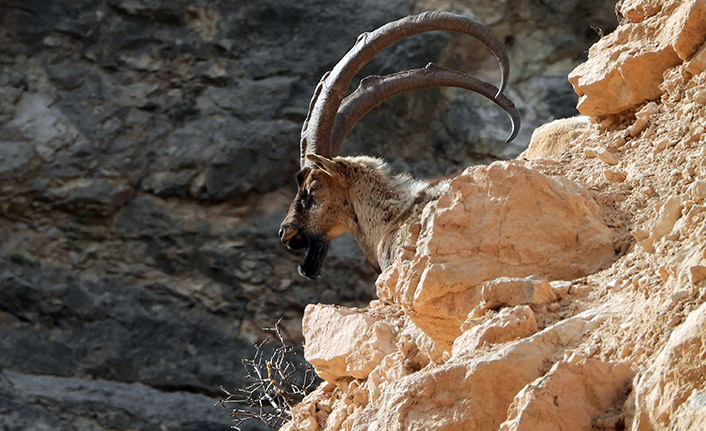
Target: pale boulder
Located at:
point(626, 67)
point(668, 214)
point(666, 218)
point(390, 370)
point(621, 71)
point(697, 274)
point(614, 176)
point(343, 342)
point(638, 10)
point(508, 291)
point(472, 391)
point(418, 347)
point(697, 191)
point(691, 415)
point(569, 397)
point(685, 28)
point(508, 325)
point(678, 371)
point(307, 415)
point(606, 156)
point(504, 219)
point(551, 139)
point(697, 63)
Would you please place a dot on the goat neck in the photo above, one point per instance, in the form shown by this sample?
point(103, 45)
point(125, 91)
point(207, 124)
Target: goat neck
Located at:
point(382, 204)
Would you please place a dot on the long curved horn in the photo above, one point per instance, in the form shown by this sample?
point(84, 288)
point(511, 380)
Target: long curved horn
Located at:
point(373, 90)
point(318, 126)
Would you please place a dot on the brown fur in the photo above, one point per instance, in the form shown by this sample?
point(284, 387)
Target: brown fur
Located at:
point(358, 195)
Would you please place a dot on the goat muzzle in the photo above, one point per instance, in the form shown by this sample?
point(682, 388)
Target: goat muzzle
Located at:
point(291, 237)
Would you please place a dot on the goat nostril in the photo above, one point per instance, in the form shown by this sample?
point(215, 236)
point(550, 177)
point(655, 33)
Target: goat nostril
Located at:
point(280, 233)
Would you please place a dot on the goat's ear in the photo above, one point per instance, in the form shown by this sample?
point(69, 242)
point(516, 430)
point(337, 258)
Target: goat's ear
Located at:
point(325, 164)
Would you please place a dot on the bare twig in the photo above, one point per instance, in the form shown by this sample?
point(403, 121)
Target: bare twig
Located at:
point(275, 385)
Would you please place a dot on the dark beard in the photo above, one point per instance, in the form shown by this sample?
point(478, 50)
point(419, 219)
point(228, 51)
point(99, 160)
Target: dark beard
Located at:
point(316, 249)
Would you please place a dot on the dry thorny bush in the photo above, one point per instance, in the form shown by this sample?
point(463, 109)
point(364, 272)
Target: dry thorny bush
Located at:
point(274, 385)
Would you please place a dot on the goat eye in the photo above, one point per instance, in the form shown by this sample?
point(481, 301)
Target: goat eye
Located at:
point(315, 185)
point(301, 175)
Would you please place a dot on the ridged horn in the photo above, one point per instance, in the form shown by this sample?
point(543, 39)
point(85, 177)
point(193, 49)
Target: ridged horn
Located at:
point(318, 127)
point(374, 90)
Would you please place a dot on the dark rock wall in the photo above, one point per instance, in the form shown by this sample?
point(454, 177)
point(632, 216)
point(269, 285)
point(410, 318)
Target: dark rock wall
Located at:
point(147, 156)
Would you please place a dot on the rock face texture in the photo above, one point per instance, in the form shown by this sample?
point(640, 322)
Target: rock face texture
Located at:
point(523, 329)
point(521, 222)
point(570, 396)
point(678, 372)
point(147, 155)
point(626, 67)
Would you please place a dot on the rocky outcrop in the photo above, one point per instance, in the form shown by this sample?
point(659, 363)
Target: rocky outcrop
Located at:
point(522, 223)
point(521, 329)
point(626, 67)
point(552, 139)
point(679, 372)
point(573, 395)
point(354, 346)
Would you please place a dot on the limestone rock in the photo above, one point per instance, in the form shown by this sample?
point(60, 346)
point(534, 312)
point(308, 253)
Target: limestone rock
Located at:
point(666, 220)
point(607, 157)
point(614, 175)
point(569, 397)
point(391, 370)
point(342, 342)
point(313, 409)
point(412, 338)
point(498, 220)
point(603, 155)
point(686, 28)
point(620, 72)
point(506, 291)
point(625, 68)
point(697, 63)
point(638, 10)
point(678, 371)
point(551, 139)
point(667, 217)
point(488, 383)
point(469, 392)
point(691, 415)
point(508, 325)
point(697, 273)
point(697, 191)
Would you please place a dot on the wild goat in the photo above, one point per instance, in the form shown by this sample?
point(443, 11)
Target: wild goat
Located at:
point(359, 194)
